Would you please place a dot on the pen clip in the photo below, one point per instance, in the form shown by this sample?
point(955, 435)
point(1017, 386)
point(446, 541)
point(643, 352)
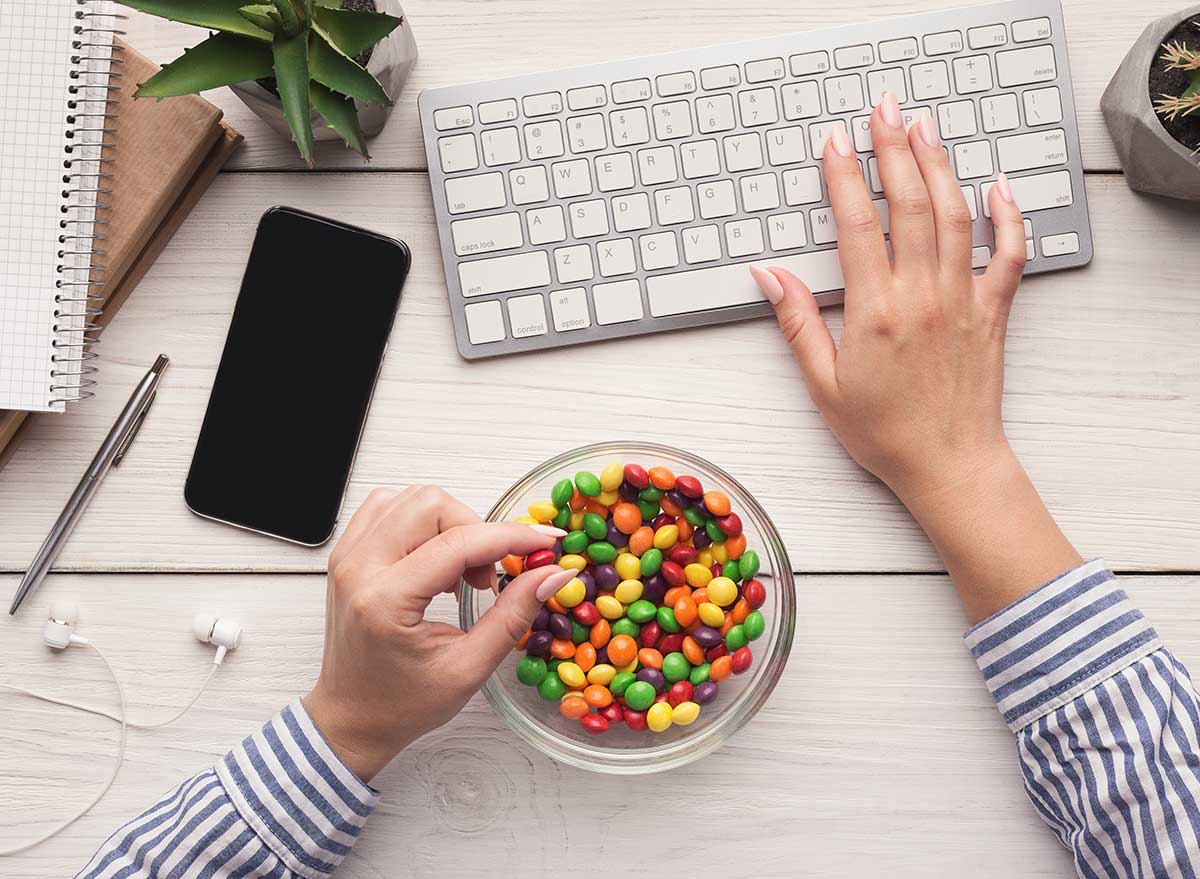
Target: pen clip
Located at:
point(133, 432)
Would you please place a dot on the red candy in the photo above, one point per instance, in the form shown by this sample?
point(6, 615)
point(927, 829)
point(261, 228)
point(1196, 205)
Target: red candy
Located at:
point(681, 691)
point(662, 519)
point(594, 723)
point(636, 476)
point(755, 593)
point(682, 555)
point(635, 720)
point(613, 713)
point(689, 486)
point(672, 573)
point(586, 613)
point(731, 524)
point(540, 558)
point(650, 634)
point(671, 644)
point(741, 660)
point(661, 697)
point(714, 653)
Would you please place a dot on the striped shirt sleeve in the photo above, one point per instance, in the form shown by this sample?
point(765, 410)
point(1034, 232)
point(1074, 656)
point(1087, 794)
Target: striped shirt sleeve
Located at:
point(1107, 724)
point(280, 805)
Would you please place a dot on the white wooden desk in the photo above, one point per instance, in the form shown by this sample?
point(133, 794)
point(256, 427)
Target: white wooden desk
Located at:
point(880, 753)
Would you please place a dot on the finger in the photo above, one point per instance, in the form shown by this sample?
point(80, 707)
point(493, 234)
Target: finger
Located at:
point(951, 218)
point(502, 625)
point(803, 327)
point(413, 519)
point(861, 250)
point(914, 248)
point(1004, 272)
point(361, 523)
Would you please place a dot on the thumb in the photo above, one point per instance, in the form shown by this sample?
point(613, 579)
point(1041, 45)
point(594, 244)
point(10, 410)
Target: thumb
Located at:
point(502, 625)
point(802, 325)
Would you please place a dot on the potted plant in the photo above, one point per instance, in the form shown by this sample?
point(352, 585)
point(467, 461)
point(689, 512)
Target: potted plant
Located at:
point(312, 69)
point(1152, 108)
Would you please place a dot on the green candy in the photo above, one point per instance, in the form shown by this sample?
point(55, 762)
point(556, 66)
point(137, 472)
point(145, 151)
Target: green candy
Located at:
point(554, 664)
point(561, 494)
point(595, 526)
point(626, 626)
point(754, 625)
point(675, 667)
point(551, 688)
point(735, 638)
point(649, 509)
point(531, 670)
point(579, 632)
point(748, 564)
point(694, 517)
point(730, 569)
point(587, 483)
point(717, 535)
point(652, 494)
point(652, 560)
point(620, 682)
point(699, 674)
point(639, 695)
point(575, 542)
point(643, 611)
point(666, 620)
point(563, 517)
point(602, 552)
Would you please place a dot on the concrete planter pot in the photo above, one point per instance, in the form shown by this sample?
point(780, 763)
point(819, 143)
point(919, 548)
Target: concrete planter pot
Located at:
point(391, 61)
point(1152, 159)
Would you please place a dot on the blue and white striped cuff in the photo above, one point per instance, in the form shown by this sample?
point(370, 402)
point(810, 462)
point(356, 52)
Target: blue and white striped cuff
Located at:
point(1059, 641)
point(295, 793)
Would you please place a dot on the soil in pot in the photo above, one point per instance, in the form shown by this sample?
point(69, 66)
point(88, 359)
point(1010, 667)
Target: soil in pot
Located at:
point(362, 57)
point(1185, 129)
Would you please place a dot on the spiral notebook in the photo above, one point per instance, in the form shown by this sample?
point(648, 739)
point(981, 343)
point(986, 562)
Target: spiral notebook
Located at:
point(56, 59)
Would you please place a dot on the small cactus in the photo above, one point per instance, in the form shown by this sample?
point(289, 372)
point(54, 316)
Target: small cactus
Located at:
point(1179, 56)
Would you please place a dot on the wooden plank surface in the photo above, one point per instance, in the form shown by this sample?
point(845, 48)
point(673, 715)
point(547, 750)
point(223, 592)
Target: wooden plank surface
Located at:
point(469, 40)
point(1103, 382)
point(879, 754)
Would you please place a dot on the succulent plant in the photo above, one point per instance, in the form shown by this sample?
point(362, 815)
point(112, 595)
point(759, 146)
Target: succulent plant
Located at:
point(307, 46)
point(1179, 56)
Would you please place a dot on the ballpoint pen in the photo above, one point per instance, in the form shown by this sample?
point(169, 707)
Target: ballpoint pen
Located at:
point(115, 445)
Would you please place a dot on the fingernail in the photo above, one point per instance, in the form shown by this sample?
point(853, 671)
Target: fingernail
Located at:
point(549, 530)
point(553, 583)
point(890, 110)
point(1005, 189)
point(768, 283)
point(928, 130)
point(841, 142)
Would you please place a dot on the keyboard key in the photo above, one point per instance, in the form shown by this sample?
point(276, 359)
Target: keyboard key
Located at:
point(844, 94)
point(1024, 66)
point(1037, 192)
point(969, 197)
point(801, 186)
point(849, 57)
point(458, 153)
point(546, 225)
point(889, 80)
point(529, 185)
point(453, 117)
point(630, 91)
point(587, 98)
point(614, 172)
point(720, 77)
point(723, 286)
point(1058, 245)
point(616, 257)
point(819, 132)
point(824, 227)
point(945, 43)
point(757, 107)
point(786, 231)
point(485, 322)
point(999, 113)
point(544, 140)
point(715, 113)
point(957, 119)
point(700, 159)
point(629, 127)
point(1029, 251)
point(657, 165)
point(808, 63)
point(972, 74)
point(1028, 223)
point(588, 218)
point(716, 199)
point(701, 244)
point(743, 152)
point(1031, 29)
point(765, 71)
point(617, 302)
point(860, 129)
point(631, 212)
point(573, 264)
point(491, 112)
point(674, 206)
point(480, 192)
point(904, 49)
point(760, 192)
point(987, 36)
point(571, 179)
point(671, 84)
point(801, 100)
point(499, 274)
point(973, 159)
point(929, 80)
point(570, 309)
point(1038, 149)
point(980, 256)
point(501, 146)
point(1042, 106)
point(744, 237)
point(785, 146)
point(527, 316)
point(659, 251)
point(873, 175)
point(673, 120)
point(545, 104)
point(585, 134)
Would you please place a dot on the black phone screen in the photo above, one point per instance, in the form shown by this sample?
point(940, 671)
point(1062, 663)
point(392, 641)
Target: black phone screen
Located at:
point(296, 377)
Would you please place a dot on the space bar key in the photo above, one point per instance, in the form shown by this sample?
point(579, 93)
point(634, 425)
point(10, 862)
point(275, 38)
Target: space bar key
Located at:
point(723, 286)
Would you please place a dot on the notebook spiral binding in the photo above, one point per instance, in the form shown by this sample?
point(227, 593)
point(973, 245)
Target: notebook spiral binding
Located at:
point(95, 62)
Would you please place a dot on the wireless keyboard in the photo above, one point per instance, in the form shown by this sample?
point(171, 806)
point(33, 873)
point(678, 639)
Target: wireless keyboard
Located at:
point(629, 197)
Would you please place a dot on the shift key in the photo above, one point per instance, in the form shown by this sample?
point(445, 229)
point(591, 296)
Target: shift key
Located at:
point(500, 274)
point(1037, 192)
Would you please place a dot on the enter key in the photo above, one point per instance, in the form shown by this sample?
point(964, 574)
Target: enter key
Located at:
point(1038, 149)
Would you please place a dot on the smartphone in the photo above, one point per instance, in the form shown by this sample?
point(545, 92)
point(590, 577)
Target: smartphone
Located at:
point(296, 377)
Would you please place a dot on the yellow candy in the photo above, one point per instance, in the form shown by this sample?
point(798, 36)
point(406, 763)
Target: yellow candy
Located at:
point(611, 477)
point(571, 594)
point(722, 591)
point(711, 615)
point(632, 667)
point(609, 607)
point(543, 511)
point(601, 674)
point(658, 718)
point(684, 713)
point(526, 520)
point(705, 558)
point(608, 498)
point(666, 536)
point(628, 591)
point(628, 566)
point(571, 674)
point(719, 552)
point(697, 575)
point(575, 523)
point(572, 562)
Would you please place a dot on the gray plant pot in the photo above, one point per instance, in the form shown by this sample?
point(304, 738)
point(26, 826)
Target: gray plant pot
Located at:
point(1153, 161)
point(391, 61)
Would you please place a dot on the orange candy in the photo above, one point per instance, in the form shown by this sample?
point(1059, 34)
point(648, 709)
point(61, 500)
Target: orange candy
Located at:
point(561, 648)
point(554, 605)
point(524, 639)
point(600, 633)
point(692, 651)
point(573, 706)
point(641, 540)
point(721, 668)
point(674, 594)
point(662, 478)
point(740, 611)
point(513, 565)
point(700, 596)
point(717, 503)
point(577, 501)
point(585, 656)
point(685, 529)
point(591, 505)
point(728, 624)
point(622, 650)
point(627, 517)
point(669, 508)
point(735, 546)
point(648, 657)
point(685, 610)
point(597, 696)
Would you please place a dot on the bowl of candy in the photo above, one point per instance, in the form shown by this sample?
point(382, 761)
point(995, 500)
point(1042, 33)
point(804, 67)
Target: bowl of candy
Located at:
point(677, 627)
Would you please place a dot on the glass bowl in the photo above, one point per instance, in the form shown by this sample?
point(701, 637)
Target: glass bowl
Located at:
point(621, 750)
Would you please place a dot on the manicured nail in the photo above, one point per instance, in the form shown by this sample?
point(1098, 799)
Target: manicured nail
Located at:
point(768, 283)
point(549, 530)
point(1005, 189)
point(553, 583)
point(928, 130)
point(890, 110)
point(841, 142)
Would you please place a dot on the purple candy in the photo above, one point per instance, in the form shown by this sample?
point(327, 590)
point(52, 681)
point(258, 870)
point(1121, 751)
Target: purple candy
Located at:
point(704, 693)
point(706, 636)
point(606, 577)
point(677, 498)
point(560, 626)
point(655, 589)
point(653, 677)
point(627, 492)
point(602, 655)
point(700, 538)
point(589, 585)
point(541, 622)
point(539, 643)
point(616, 537)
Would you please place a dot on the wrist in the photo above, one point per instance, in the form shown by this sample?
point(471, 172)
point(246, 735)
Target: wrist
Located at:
point(356, 749)
point(976, 473)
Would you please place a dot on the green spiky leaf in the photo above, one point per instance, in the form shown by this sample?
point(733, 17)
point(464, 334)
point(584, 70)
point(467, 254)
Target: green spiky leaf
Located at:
point(291, 78)
point(222, 59)
point(262, 14)
point(328, 4)
point(221, 15)
point(340, 114)
point(354, 32)
point(1194, 88)
point(331, 68)
point(290, 16)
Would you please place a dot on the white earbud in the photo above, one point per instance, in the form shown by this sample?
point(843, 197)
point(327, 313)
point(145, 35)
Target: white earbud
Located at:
point(224, 634)
point(59, 631)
